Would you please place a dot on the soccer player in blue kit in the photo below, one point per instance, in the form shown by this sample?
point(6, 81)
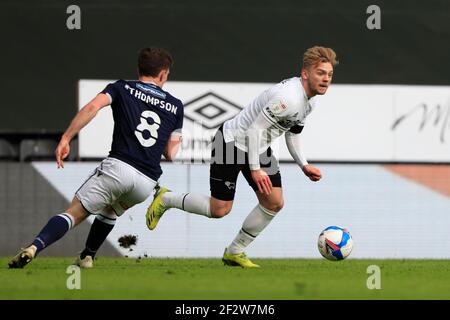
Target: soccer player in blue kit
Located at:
point(147, 125)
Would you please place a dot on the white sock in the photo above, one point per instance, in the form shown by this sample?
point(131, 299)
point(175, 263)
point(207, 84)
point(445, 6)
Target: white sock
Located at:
point(255, 222)
point(190, 202)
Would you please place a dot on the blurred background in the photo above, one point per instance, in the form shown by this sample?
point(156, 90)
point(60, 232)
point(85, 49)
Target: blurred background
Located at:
point(380, 135)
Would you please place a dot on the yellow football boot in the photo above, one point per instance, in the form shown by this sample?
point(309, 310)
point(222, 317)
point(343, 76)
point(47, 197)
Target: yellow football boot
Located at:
point(238, 260)
point(156, 208)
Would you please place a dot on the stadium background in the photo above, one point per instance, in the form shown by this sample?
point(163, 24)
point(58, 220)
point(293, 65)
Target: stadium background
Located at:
point(257, 42)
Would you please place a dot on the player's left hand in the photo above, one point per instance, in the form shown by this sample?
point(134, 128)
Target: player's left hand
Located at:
point(312, 172)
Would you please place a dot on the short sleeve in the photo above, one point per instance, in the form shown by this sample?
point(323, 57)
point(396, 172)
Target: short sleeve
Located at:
point(111, 91)
point(180, 116)
point(297, 129)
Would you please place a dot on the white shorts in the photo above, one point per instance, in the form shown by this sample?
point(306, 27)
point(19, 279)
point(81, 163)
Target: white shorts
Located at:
point(114, 184)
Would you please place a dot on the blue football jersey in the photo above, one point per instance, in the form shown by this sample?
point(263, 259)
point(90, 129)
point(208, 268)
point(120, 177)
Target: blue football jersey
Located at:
point(145, 116)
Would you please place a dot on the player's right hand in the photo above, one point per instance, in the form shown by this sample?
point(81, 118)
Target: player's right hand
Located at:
point(61, 152)
point(262, 180)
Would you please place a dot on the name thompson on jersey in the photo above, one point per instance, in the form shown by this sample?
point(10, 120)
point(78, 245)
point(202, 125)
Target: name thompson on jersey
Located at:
point(150, 99)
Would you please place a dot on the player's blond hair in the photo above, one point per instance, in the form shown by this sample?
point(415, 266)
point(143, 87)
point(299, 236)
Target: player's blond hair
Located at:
point(317, 54)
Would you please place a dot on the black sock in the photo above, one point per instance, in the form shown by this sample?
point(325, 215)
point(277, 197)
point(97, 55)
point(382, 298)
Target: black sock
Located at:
point(97, 235)
point(55, 228)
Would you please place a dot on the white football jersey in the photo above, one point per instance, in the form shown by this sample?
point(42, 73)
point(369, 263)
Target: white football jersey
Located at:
point(284, 105)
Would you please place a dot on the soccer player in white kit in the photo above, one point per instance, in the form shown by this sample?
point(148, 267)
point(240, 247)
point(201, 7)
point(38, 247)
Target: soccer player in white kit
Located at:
point(242, 144)
point(147, 125)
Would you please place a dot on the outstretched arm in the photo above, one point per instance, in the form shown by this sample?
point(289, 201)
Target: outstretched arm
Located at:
point(293, 145)
point(83, 117)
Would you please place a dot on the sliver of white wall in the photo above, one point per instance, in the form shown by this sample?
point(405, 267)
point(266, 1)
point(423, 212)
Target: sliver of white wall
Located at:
point(388, 216)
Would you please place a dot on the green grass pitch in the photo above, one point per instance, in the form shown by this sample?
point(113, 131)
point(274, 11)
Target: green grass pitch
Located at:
point(179, 279)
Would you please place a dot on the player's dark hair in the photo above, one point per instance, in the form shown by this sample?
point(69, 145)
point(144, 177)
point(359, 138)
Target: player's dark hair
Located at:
point(152, 60)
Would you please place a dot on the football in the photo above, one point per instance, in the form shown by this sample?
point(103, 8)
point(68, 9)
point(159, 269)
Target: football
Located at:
point(335, 243)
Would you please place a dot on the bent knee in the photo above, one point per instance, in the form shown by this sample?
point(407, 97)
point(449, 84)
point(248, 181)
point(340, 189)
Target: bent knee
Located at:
point(275, 206)
point(220, 212)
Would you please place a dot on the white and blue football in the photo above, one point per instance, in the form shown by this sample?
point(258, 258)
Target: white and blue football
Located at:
point(335, 243)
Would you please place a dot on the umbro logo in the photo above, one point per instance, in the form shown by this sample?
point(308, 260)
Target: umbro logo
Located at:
point(211, 110)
